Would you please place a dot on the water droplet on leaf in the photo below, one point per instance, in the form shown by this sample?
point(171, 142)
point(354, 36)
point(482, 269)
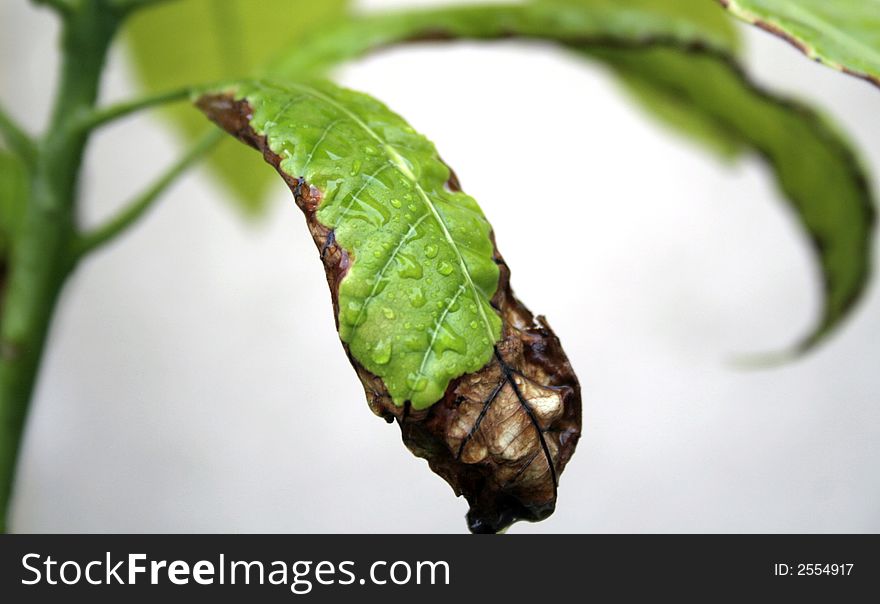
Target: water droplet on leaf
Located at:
point(410, 268)
point(416, 382)
point(382, 352)
point(417, 297)
point(352, 315)
point(416, 342)
point(449, 339)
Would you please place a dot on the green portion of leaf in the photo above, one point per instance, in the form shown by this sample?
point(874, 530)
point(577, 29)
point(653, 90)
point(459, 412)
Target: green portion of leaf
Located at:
point(815, 166)
point(177, 44)
point(414, 307)
point(843, 34)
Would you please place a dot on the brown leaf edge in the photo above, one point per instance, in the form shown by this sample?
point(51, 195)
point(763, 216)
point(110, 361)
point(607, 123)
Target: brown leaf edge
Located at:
point(801, 45)
point(500, 436)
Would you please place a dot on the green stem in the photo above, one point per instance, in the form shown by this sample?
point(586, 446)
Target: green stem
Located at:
point(131, 213)
point(100, 117)
point(41, 257)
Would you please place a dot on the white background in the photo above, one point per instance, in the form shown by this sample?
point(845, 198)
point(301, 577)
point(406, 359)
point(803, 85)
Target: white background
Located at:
point(194, 380)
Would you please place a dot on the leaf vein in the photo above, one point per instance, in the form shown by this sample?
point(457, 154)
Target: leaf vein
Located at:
point(317, 144)
point(435, 332)
point(404, 239)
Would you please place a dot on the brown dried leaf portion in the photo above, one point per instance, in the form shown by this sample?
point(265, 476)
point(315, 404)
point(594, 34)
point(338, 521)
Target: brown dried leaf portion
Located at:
point(500, 436)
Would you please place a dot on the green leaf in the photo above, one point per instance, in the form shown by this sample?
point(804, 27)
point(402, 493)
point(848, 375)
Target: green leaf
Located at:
point(421, 295)
point(815, 167)
point(671, 111)
point(842, 34)
point(638, 19)
point(704, 16)
point(188, 42)
point(591, 24)
point(677, 61)
point(414, 307)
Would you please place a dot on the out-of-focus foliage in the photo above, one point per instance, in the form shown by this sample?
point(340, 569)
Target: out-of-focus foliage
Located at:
point(814, 165)
point(187, 42)
point(691, 74)
point(714, 25)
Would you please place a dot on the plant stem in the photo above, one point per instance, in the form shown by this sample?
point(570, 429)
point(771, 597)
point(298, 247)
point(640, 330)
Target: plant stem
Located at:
point(41, 257)
point(138, 207)
point(100, 117)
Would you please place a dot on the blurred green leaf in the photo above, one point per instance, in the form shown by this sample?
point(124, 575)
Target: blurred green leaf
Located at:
point(702, 13)
point(640, 20)
point(843, 34)
point(588, 21)
point(679, 62)
point(706, 17)
point(668, 109)
point(188, 42)
point(816, 169)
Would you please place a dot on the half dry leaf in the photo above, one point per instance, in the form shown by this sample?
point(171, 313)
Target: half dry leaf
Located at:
point(479, 387)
